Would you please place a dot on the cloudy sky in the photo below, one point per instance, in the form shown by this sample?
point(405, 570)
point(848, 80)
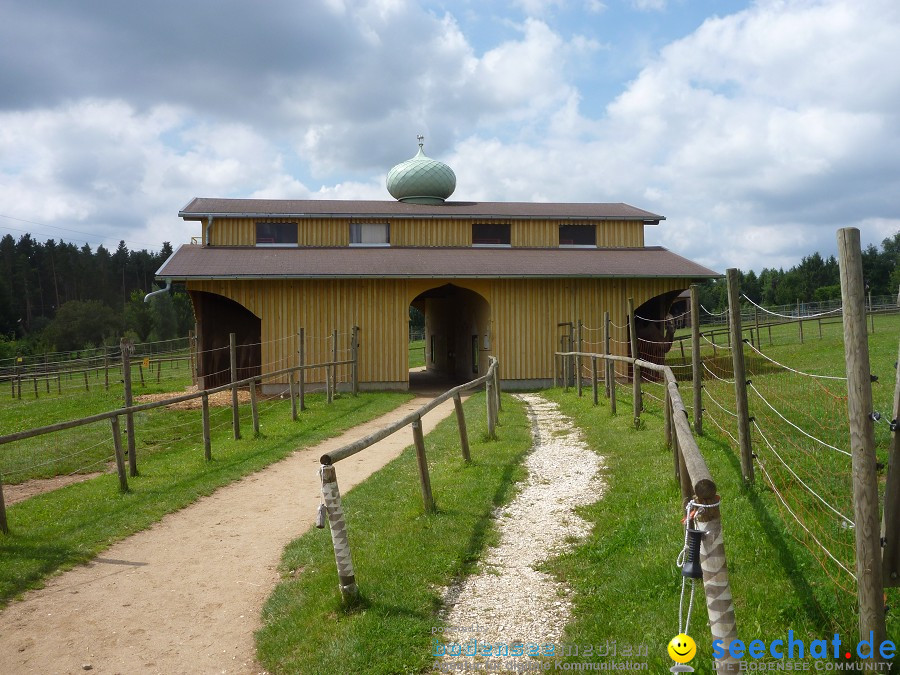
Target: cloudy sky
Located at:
point(757, 128)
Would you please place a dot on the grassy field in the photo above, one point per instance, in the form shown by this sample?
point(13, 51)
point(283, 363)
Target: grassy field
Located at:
point(68, 526)
point(403, 559)
point(625, 580)
point(416, 353)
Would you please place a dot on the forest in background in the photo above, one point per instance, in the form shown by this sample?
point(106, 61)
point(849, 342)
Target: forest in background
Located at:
point(56, 296)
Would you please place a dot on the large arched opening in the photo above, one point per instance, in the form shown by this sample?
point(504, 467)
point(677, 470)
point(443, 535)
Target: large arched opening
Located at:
point(655, 329)
point(457, 336)
point(217, 317)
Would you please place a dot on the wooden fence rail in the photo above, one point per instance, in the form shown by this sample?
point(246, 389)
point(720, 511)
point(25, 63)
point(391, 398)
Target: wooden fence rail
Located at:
point(129, 410)
point(331, 495)
point(698, 488)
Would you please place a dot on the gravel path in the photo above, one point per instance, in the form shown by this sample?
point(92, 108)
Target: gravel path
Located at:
point(509, 601)
point(185, 595)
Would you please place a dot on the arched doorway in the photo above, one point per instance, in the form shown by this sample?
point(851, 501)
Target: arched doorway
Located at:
point(655, 330)
point(457, 335)
point(217, 317)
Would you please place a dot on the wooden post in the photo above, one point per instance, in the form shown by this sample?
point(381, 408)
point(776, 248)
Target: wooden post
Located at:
point(34, 380)
point(740, 375)
point(207, 441)
point(890, 524)
point(578, 364)
point(697, 359)
point(106, 368)
point(4, 526)
point(594, 379)
point(292, 387)
point(354, 354)
point(489, 402)
point(756, 318)
point(331, 496)
point(19, 384)
point(125, 347)
point(636, 369)
point(158, 371)
point(609, 368)
point(254, 408)
point(869, 578)
point(683, 357)
point(612, 389)
point(422, 461)
point(461, 423)
point(799, 321)
point(120, 460)
point(235, 411)
point(301, 356)
point(141, 372)
point(667, 414)
point(334, 368)
point(58, 383)
point(497, 390)
point(86, 385)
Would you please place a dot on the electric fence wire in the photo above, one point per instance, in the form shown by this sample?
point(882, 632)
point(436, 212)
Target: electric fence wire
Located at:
point(805, 433)
point(781, 498)
point(793, 316)
point(793, 370)
point(800, 480)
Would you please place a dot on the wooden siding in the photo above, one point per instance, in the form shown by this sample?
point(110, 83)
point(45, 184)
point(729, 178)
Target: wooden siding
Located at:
point(523, 318)
point(425, 232)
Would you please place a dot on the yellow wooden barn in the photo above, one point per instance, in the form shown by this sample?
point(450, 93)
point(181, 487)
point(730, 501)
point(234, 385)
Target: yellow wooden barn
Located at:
point(492, 278)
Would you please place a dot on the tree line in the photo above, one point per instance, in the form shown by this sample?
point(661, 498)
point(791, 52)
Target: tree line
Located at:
point(56, 296)
point(815, 279)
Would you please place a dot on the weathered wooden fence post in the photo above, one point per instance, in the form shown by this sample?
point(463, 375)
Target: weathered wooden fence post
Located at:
point(422, 462)
point(890, 524)
point(301, 359)
point(331, 496)
point(635, 368)
point(799, 321)
point(106, 368)
point(207, 441)
point(292, 388)
point(254, 408)
point(34, 379)
point(334, 368)
point(489, 402)
point(578, 364)
point(696, 359)
point(120, 460)
point(4, 526)
point(461, 423)
point(126, 349)
point(609, 368)
point(354, 355)
point(740, 375)
point(235, 411)
point(869, 580)
point(87, 385)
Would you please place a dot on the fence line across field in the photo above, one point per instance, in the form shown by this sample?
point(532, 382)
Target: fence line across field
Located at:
point(295, 375)
point(331, 495)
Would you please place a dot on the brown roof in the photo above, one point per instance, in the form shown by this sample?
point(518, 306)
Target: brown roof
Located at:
point(202, 207)
point(219, 262)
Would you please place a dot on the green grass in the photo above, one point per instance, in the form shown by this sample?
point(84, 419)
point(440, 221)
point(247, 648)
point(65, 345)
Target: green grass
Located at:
point(402, 558)
point(626, 586)
point(624, 577)
point(416, 353)
point(59, 529)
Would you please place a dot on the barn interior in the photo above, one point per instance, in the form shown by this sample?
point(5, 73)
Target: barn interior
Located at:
point(217, 317)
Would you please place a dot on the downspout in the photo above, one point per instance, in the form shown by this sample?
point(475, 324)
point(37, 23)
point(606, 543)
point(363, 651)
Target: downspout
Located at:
point(209, 222)
point(161, 290)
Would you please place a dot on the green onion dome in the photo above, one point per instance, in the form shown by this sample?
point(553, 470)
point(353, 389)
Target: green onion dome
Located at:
point(421, 180)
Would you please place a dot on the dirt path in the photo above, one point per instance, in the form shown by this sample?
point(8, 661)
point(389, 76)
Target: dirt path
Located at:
point(562, 474)
point(185, 596)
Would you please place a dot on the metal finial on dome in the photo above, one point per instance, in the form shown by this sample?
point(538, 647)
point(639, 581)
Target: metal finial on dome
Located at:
point(421, 180)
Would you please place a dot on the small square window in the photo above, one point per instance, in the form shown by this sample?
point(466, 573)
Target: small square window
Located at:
point(276, 234)
point(576, 236)
point(490, 234)
point(370, 234)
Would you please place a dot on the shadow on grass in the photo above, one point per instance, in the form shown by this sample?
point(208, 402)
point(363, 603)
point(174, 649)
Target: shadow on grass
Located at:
point(772, 529)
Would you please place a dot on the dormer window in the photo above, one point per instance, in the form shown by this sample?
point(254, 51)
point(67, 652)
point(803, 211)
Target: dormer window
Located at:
point(370, 234)
point(577, 236)
point(490, 234)
point(276, 234)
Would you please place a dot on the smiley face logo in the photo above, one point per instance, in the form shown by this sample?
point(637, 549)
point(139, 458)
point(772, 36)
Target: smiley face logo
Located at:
point(682, 648)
